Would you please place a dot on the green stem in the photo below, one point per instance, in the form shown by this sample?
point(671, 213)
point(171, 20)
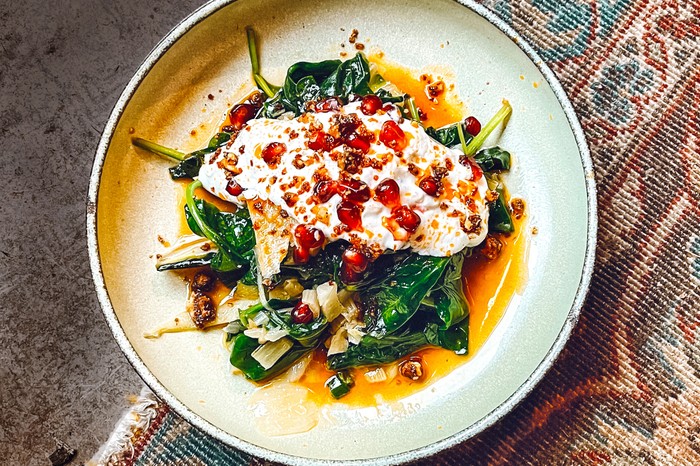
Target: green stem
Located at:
point(462, 139)
point(252, 50)
point(262, 83)
point(269, 89)
point(203, 227)
point(158, 149)
point(413, 110)
point(500, 117)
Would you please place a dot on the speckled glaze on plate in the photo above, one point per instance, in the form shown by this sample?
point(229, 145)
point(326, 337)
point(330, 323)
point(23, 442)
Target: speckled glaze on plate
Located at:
point(132, 200)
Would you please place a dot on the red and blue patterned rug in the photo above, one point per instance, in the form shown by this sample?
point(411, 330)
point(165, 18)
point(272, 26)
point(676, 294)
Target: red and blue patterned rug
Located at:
point(626, 389)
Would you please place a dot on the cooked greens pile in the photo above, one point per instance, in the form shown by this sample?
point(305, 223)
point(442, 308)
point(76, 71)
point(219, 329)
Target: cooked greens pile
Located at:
point(403, 301)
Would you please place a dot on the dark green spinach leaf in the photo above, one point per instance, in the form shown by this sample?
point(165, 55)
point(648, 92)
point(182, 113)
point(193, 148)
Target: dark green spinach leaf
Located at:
point(395, 299)
point(189, 168)
point(493, 159)
point(448, 136)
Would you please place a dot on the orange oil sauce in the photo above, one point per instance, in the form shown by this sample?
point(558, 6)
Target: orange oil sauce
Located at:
point(490, 285)
point(443, 110)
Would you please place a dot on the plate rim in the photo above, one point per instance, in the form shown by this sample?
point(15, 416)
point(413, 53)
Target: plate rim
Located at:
point(488, 420)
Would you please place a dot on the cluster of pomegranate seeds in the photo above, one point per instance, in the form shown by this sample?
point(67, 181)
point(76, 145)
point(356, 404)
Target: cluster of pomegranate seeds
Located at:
point(350, 214)
point(430, 186)
point(472, 126)
point(241, 114)
point(233, 188)
point(272, 153)
point(406, 218)
point(330, 104)
point(302, 314)
point(392, 136)
point(387, 192)
point(354, 190)
point(370, 104)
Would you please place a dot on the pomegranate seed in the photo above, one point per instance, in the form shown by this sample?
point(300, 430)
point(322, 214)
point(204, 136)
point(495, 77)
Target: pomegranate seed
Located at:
point(347, 275)
point(477, 173)
point(472, 126)
point(233, 188)
point(355, 260)
point(321, 141)
point(370, 104)
point(357, 142)
point(301, 256)
point(324, 190)
point(302, 314)
point(330, 104)
point(387, 192)
point(309, 237)
point(354, 190)
point(393, 136)
point(429, 185)
point(350, 214)
point(272, 153)
point(388, 107)
point(406, 218)
point(240, 114)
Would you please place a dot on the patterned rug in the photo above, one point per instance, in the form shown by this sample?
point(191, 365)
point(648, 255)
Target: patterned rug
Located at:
point(626, 389)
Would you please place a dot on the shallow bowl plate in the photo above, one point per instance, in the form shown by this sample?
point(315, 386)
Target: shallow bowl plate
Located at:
point(132, 201)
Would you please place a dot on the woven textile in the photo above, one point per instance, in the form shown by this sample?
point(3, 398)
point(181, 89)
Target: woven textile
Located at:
point(626, 389)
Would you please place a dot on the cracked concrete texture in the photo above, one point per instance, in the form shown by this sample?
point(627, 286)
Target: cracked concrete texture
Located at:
point(62, 68)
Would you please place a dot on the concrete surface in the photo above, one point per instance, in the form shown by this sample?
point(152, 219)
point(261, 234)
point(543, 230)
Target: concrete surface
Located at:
point(62, 66)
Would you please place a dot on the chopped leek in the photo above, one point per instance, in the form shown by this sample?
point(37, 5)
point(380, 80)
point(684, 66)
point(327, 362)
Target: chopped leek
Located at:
point(269, 353)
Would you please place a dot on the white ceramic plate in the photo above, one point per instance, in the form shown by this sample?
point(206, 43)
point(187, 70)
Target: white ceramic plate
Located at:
point(132, 201)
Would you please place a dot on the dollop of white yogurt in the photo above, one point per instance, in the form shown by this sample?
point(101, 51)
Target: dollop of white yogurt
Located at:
point(454, 220)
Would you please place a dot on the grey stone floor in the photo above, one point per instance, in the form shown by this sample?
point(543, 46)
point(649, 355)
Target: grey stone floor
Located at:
point(62, 66)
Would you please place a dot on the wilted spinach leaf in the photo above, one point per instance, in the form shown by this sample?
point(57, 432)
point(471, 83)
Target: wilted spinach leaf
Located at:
point(493, 159)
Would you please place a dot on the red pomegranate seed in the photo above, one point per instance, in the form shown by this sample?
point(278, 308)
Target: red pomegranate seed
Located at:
point(354, 190)
point(355, 260)
point(357, 142)
point(240, 114)
point(301, 256)
point(324, 190)
point(388, 107)
point(347, 275)
point(429, 185)
point(233, 188)
point(309, 237)
point(393, 136)
point(370, 104)
point(387, 192)
point(272, 153)
point(318, 140)
point(350, 214)
point(330, 104)
point(406, 218)
point(302, 314)
point(477, 173)
point(472, 125)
